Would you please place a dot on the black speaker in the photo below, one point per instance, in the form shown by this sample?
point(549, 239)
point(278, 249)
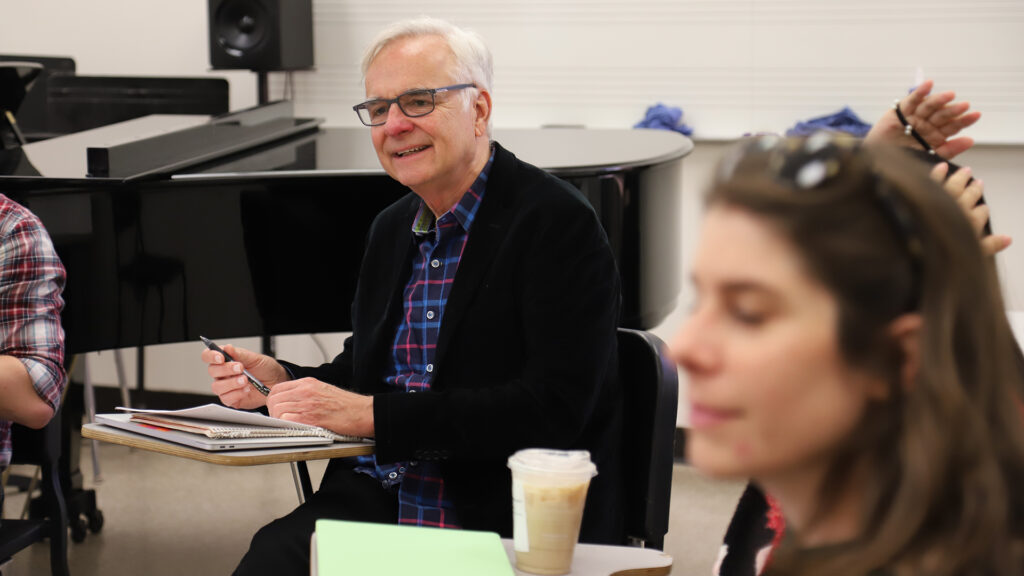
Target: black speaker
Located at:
point(261, 35)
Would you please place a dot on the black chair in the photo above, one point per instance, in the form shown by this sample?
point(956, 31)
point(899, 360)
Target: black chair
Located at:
point(16, 79)
point(42, 448)
point(650, 384)
point(33, 116)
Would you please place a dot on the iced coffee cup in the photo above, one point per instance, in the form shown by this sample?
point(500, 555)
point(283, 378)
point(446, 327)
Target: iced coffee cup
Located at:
point(549, 489)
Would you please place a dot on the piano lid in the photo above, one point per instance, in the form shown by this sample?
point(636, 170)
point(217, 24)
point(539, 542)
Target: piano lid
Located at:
point(349, 151)
point(142, 268)
point(338, 151)
point(64, 157)
point(157, 145)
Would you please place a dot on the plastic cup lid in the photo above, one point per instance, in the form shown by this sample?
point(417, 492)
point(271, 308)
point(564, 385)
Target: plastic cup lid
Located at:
point(549, 461)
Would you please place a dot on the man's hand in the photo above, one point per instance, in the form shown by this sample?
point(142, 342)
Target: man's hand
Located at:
point(231, 386)
point(967, 192)
point(310, 401)
point(933, 116)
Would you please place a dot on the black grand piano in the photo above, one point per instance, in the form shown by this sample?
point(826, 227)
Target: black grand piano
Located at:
point(252, 223)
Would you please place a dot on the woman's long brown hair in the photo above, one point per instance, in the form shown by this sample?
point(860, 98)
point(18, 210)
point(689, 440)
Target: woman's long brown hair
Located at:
point(945, 493)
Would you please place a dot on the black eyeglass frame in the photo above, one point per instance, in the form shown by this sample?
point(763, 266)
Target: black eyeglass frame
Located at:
point(398, 100)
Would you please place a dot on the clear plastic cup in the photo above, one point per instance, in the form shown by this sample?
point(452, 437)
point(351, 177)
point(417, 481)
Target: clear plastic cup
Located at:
point(549, 490)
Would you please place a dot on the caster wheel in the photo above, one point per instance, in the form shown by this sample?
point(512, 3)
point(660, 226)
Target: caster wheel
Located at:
point(78, 529)
point(95, 521)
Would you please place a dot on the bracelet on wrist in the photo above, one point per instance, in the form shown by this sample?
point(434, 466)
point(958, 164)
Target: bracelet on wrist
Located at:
point(908, 129)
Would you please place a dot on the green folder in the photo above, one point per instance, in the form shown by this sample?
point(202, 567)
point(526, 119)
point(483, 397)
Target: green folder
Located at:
point(358, 548)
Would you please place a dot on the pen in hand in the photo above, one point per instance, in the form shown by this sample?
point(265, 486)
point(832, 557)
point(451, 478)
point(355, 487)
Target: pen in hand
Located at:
point(262, 388)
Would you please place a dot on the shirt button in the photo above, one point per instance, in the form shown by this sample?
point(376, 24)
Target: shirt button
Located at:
point(435, 263)
point(393, 475)
point(430, 314)
point(430, 367)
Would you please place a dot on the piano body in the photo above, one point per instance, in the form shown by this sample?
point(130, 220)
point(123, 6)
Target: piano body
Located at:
point(252, 224)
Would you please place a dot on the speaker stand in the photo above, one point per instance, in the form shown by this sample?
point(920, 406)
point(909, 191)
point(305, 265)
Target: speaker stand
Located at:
point(263, 87)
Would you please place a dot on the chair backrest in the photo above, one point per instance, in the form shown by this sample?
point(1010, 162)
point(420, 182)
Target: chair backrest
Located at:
point(37, 446)
point(650, 385)
point(32, 116)
point(43, 448)
point(15, 80)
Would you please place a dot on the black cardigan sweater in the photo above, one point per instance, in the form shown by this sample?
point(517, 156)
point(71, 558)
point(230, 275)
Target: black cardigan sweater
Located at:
point(526, 355)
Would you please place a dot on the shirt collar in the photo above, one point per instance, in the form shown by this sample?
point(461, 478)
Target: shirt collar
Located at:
point(464, 210)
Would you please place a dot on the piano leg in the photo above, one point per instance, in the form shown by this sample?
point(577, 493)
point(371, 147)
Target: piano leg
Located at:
point(122, 382)
point(83, 513)
point(90, 411)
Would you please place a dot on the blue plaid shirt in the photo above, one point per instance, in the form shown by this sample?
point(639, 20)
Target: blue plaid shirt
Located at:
point(422, 499)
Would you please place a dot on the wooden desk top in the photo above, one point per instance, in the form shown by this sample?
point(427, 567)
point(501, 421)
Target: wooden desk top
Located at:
point(228, 457)
point(589, 559)
point(603, 560)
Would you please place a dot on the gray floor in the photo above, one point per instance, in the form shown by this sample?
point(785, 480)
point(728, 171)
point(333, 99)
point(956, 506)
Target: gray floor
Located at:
point(171, 516)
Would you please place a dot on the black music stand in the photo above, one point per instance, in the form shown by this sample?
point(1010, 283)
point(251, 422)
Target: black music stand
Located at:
point(16, 79)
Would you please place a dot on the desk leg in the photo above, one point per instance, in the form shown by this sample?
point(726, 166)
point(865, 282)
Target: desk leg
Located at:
point(303, 486)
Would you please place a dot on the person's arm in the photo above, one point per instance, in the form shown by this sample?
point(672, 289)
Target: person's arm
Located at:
point(32, 375)
point(305, 400)
point(20, 402)
point(935, 117)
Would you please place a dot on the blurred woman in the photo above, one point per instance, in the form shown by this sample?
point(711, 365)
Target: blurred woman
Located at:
point(850, 353)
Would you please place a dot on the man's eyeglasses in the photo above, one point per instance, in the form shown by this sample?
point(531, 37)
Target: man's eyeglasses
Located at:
point(412, 103)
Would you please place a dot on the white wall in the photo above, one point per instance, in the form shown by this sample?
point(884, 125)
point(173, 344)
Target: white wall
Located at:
point(734, 66)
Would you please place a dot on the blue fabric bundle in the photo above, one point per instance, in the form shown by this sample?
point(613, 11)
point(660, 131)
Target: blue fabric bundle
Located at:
point(663, 117)
point(843, 121)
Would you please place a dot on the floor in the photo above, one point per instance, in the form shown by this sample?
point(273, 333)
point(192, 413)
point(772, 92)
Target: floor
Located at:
point(171, 516)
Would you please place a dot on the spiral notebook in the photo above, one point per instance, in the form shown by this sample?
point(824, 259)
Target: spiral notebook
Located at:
point(215, 427)
point(203, 442)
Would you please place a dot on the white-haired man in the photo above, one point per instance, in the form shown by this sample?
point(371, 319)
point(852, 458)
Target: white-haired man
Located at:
point(483, 322)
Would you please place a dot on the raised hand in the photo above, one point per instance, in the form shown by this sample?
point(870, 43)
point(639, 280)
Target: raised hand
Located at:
point(935, 117)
